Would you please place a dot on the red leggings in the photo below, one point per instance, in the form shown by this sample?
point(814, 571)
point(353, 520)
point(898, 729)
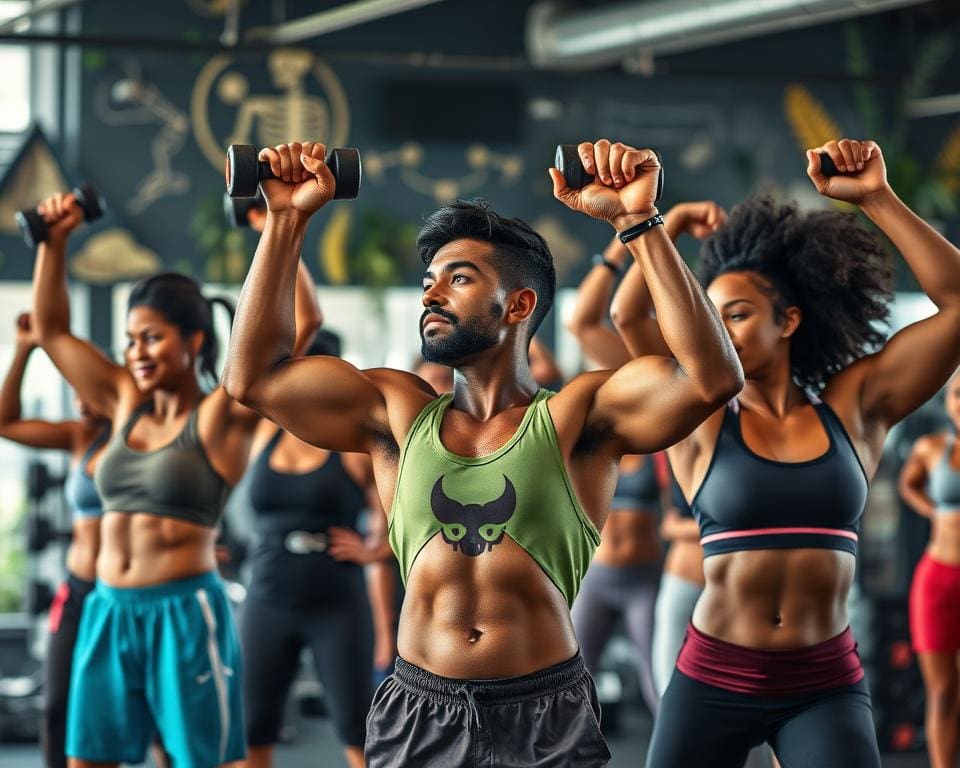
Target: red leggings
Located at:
point(935, 607)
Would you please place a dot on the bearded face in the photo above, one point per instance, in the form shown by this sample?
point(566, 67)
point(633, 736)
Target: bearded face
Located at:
point(459, 338)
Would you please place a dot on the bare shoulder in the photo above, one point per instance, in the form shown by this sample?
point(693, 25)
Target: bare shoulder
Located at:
point(571, 408)
point(844, 391)
point(404, 394)
point(929, 448)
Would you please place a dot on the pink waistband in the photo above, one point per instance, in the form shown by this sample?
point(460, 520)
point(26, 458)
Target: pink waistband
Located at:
point(777, 531)
point(831, 664)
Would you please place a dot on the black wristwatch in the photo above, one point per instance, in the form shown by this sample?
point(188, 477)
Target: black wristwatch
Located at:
point(636, 230)
point(599, 261)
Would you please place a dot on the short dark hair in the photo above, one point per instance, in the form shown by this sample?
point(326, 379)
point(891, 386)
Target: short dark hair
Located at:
point(521, 256)
point(824, 262)
point(178, 298)
point(324, 343)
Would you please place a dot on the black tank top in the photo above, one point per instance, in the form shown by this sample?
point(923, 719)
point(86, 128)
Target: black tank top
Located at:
point(291, 515)
point(747, 501)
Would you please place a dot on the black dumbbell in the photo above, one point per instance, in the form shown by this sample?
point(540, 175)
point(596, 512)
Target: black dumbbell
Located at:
point(827, 167)
point(40, 480)
point(34, 227)
point(568, 162)
point(41, 533)
point(38, 598)
point(244, 172)
point(236, 209)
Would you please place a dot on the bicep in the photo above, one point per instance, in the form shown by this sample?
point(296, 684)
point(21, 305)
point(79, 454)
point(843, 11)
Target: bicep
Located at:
point(96, 379)
point(910, 368)
point(58, 435)
point(650, 404)
point(322, 400)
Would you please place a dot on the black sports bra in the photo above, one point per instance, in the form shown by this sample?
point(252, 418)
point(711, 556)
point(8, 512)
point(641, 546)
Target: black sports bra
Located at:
point(747, 501)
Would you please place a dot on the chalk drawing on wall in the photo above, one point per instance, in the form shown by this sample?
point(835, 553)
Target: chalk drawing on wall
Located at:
point(480, 166)
point(34, 174)
point(309, 104)
point(130, 101)
point(111, 256)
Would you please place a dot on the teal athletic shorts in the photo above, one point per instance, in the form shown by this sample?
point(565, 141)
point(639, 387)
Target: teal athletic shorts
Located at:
point(162, 660)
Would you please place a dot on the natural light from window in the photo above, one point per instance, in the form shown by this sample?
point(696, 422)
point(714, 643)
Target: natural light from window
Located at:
point(15, 80)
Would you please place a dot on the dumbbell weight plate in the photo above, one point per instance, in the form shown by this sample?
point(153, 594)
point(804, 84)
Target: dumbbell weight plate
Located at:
point(33, 227)
point(39, 597)
point(39, 533)
point(567, 161)
point(347, 170)
point(90, 201)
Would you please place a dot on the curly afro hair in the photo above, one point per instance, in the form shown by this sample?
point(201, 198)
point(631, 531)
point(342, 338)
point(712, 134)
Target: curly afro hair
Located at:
point(823, 262)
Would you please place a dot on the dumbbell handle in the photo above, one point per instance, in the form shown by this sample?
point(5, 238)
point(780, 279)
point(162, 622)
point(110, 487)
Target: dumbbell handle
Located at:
point(827, 167)
point(332, 162)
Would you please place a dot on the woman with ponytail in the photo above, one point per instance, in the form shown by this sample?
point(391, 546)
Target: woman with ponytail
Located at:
point(157, 647)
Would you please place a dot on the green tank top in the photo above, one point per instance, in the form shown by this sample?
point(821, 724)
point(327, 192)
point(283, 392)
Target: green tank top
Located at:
point(520, 490)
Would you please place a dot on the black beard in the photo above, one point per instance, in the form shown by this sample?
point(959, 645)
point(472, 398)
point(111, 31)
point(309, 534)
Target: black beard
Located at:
point(463, 340)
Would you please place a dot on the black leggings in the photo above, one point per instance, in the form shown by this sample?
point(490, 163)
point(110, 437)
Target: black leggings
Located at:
point(702, 726)
point(64, 621)
point(340, 638)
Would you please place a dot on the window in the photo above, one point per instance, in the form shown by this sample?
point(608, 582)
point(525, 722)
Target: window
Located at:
point(15, 83)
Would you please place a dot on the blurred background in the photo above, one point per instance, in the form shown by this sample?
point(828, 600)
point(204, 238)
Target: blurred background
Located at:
point(445, 99)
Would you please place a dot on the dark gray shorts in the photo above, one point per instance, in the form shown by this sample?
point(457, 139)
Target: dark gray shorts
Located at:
point(548, 719)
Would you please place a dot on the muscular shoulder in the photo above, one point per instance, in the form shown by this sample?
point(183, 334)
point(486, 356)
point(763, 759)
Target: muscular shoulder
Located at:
point(405, 395)
point(930, 448)
point(571, 410)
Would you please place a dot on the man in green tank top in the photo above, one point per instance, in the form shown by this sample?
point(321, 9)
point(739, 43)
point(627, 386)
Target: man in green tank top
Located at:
point(497, 491)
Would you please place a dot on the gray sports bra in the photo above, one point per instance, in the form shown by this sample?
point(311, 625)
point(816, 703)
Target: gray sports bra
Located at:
point(176, 480)
point(944, 483)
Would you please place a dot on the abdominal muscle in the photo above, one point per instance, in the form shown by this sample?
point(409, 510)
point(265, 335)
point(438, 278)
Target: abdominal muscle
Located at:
point(141, 549)
point(492, 616)
point(775, 598)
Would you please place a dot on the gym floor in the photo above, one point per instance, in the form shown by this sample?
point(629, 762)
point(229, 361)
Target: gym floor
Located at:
point(312, 736)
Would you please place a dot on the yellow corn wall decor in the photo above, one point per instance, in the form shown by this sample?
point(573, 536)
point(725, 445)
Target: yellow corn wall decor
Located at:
point(333, 247)
point(948, 161)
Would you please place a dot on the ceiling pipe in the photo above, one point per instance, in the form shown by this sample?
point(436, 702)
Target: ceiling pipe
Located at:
point(568, 39)
point(324, 22)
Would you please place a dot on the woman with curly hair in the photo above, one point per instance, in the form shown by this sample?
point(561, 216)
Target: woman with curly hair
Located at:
point(778, 479)
point(930, 484)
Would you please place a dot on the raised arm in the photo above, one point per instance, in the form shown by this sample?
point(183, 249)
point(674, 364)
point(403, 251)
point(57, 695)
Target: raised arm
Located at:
point(632, 307)
point(913, 477)
point(96, 379)
point(914, 363)
point(653, 401)
point(589, 319)
point(323, 400)
point(32, 432)
point(308, 316)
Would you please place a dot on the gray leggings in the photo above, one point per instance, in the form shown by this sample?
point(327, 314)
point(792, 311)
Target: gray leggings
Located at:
point(608, 593)
point(675, 604)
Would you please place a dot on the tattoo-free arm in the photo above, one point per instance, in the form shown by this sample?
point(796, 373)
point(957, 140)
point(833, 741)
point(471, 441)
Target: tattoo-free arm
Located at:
point(31, 432)
point(913, 480)
point(588, 322)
